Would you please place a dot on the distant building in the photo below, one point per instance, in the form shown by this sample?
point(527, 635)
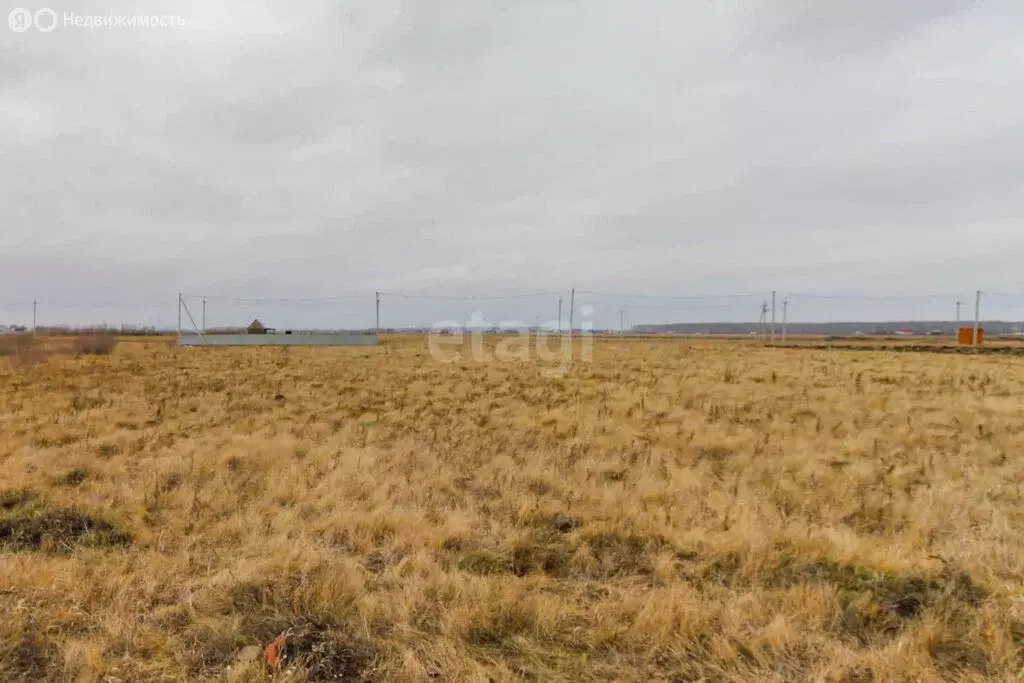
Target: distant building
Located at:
point(256, 327)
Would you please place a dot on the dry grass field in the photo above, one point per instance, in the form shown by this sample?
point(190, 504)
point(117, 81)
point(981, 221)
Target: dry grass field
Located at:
point(684, 510)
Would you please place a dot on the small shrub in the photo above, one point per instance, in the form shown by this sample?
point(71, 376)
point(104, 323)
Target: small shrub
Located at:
point(22, 348)
point(94, 345)
point(12, 344)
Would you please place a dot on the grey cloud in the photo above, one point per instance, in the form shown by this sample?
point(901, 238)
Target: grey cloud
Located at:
point(844, 28)
point(497, 147)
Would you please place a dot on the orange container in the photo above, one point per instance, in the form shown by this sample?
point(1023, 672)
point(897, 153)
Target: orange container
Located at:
point(967, 335)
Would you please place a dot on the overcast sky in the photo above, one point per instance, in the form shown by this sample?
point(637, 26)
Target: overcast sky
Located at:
point(467, 147)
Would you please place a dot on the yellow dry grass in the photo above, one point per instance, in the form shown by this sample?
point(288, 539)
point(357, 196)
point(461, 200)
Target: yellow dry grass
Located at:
point(746, 514)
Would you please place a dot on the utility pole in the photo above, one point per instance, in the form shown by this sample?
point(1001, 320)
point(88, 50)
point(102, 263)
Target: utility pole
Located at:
point(204, 315)
point(785, 311)
point(34, 307)
point(977, 316)
point(377, 324)
point(958, 305)
point(622, 324)
point(771, 339)
point(559, 315)
point(572, 307)
point(179, 318)
point(763, 320)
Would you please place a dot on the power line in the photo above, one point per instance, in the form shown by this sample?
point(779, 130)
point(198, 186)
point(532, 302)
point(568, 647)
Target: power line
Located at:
point(871, 297)
point(442, 297)
point(98, 305)
point(349, 297)
point(698, 307)
point(666, 296)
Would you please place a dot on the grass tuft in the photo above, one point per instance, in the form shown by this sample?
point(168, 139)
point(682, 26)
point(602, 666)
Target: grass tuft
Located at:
point(58, 531)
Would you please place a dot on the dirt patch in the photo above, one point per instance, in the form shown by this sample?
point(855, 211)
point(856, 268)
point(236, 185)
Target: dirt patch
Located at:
point(58, 531)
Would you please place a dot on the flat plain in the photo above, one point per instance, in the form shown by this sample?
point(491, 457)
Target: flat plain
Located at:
point(674, 509)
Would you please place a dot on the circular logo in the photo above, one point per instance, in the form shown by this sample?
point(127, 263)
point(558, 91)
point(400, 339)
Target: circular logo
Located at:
point(46, 20)
point(20, 20)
